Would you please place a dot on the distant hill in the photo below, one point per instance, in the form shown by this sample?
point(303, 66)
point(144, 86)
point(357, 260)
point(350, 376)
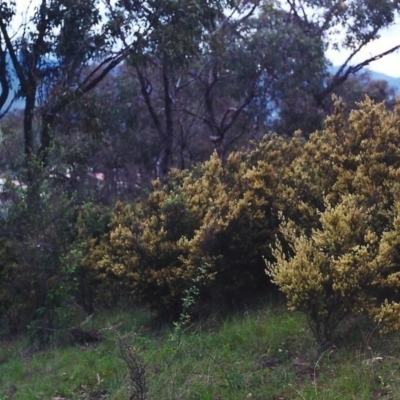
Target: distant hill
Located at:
point(394, 82)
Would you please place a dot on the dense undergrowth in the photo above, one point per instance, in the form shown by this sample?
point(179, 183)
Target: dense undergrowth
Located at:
point(319, 218)
point(323, 214)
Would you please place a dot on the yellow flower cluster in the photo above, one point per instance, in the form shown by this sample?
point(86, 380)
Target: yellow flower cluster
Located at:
point(207, 227)
point(324, 212)
point(339, 253)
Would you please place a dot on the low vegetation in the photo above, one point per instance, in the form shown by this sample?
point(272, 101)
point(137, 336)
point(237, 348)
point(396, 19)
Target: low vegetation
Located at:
point(317, 218)
point(263, 353)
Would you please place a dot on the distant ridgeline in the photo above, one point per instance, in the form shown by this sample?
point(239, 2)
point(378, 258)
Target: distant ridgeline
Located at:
point(393, 82)
point(376, 76)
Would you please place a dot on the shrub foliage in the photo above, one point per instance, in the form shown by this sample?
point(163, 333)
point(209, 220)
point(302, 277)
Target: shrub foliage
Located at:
point(207, 227)
point(322, 214)
point(345, 262)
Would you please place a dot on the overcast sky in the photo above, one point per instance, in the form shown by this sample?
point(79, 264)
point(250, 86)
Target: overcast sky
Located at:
point(389, 65)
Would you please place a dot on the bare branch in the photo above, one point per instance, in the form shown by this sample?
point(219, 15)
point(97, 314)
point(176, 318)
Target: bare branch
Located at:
point(5, 112)
point(39, 42)
point(146, 95)
point(329, 14)
point(195, 77)
point(303, 11)
point(5, 87)
point(11, 51)
point(249, 14)
point(238, 110)
point(237, 137)
point(341, 76)
point(293, 8)
point(204, 119)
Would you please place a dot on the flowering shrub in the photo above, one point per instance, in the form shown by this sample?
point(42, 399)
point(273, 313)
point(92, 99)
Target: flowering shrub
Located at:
point(328, 203)
point(213, 221)
point(343, 260)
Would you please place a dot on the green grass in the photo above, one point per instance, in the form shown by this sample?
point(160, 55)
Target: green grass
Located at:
point(264, 353)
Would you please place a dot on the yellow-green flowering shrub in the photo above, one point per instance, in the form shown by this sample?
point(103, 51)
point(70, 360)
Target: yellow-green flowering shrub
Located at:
point(235, 220)
point(212, 222)
point(341, 258)
point(155, 264)
point(329, 271)
point(210, 226)
point(387, 279)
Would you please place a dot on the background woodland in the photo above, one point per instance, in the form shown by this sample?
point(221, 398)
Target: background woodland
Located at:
point(173, 152)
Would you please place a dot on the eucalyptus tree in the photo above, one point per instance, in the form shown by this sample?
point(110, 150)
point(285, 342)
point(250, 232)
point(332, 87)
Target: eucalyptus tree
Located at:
point(173, 45)
point(60, 52)
point(347, 25)
point(228, 70)
point(305, 31)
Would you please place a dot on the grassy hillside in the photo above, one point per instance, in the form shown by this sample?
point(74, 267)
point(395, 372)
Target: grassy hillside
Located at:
point(262, 353)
